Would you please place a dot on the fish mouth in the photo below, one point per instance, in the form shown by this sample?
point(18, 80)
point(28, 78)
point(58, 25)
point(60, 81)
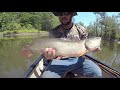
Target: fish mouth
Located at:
point(92, 49)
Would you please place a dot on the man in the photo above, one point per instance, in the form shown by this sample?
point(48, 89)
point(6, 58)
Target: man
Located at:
point(61, 65)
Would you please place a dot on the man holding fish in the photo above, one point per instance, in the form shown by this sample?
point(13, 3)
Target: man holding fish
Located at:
point(61, 65)
point(66, 48)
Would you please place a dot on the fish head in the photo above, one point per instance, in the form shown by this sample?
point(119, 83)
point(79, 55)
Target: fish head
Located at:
point(93, 43)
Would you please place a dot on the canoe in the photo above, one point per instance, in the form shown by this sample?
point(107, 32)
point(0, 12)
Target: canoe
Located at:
point(38, 67)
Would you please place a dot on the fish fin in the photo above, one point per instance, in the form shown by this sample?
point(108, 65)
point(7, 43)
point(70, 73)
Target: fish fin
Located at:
point(26, 52)
point(83, 53)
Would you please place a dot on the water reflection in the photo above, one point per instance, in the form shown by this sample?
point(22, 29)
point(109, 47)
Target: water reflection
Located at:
point(13, 73)
point(110, 54)
point(12, 63)
point(117, 54)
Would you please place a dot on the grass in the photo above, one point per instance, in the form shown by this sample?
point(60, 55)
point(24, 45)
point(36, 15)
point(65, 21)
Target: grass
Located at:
point(26, 30)
point(22, 30)
point(20, 37)
point(8, 32)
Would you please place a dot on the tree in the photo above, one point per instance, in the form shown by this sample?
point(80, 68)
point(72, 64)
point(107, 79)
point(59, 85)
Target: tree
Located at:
point(109, 26)
point(23, 20)
point(103, 16)
point(81, 23)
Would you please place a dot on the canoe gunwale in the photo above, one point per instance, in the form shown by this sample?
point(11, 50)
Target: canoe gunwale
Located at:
point(105, 66)
point(29, 71)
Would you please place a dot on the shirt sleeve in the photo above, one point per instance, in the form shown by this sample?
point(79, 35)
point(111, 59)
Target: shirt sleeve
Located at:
point(83, 33)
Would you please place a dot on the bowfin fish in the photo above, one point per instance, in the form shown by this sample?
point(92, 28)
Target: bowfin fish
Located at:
point(66, 47)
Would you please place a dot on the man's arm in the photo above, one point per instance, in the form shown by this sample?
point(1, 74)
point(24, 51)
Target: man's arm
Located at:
point(83, 33)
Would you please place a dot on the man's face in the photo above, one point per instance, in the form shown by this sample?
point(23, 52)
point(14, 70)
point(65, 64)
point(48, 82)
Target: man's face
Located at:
point(65, 18)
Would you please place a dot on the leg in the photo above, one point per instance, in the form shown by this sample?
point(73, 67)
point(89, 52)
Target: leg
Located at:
point(58, 68)
point(89, 69)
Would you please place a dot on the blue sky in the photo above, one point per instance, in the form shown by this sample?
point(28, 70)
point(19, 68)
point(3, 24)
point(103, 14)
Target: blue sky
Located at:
point(87, 17)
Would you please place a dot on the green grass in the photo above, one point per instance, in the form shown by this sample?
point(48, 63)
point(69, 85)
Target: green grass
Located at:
point(22, 30)
point(26, 30)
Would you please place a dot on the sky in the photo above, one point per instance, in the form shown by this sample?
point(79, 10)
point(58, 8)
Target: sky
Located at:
point(88, 17)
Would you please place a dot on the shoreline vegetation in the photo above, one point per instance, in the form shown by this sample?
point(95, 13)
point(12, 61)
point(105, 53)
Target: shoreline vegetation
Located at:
point(26, 23)
point(23, 33)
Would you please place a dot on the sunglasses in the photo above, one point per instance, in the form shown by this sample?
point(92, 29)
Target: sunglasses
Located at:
point(61, 13)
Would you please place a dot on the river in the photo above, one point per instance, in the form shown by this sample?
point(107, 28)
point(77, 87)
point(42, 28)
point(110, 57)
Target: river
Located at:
point(14, 65)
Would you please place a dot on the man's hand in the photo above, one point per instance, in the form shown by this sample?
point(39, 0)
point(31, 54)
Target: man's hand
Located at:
point(49, 54)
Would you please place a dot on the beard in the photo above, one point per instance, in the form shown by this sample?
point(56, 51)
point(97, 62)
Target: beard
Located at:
point(65, 21)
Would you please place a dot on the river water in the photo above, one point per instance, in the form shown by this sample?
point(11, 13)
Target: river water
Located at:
point(14, 65)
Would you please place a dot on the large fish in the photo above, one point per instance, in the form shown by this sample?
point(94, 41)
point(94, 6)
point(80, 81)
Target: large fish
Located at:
point(66, 47)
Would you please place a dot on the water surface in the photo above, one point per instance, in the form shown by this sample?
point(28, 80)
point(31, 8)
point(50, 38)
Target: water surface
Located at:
point(14, 65)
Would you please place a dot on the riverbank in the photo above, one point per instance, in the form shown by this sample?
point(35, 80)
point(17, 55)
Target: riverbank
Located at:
point(40, 33)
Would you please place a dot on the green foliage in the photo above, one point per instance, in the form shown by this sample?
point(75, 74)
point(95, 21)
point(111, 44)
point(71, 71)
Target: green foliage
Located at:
point(15, 32)
point(29, 26)
point(105, 26)
point(13, 26)
point(28, 30)
point(27, 20)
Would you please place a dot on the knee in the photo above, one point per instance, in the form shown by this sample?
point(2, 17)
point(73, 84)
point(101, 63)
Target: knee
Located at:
point(94, 72)
point(91, 69)
point(49, 74)
point(97, 72)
